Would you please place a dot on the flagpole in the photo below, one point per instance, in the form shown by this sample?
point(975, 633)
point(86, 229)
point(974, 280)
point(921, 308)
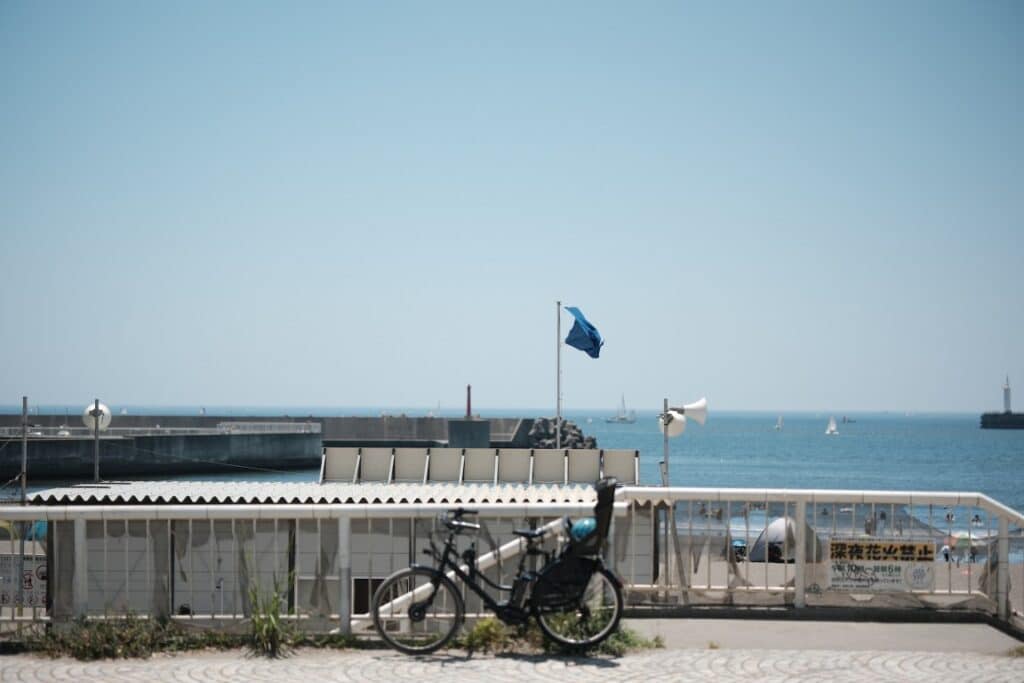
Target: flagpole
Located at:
point(558, 374)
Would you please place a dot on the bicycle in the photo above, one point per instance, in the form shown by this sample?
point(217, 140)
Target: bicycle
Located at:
point(574, 598)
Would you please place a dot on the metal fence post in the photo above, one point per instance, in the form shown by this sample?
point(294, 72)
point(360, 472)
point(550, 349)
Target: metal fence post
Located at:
point(345, 574)
point(610, 549)
point(80, 589)
point(1003, 570)
point(800, 577)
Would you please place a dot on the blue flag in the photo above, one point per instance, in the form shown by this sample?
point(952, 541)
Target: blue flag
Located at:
point(583, 335)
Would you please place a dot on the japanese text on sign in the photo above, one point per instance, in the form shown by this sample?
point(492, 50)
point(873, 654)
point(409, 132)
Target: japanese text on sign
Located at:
point(882, 551)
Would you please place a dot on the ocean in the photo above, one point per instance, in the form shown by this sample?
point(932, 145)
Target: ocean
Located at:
point(871, 452)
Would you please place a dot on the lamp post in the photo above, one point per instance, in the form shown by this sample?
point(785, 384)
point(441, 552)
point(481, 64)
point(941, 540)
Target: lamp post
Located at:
point(97, 418)
point(96, 415)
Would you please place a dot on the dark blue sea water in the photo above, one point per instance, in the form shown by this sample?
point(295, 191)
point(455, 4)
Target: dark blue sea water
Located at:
point(875, 451)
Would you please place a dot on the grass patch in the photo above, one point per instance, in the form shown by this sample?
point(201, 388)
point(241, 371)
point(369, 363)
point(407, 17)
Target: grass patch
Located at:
point(128, 637)
point(713, 645)
point(626, 640)
point(334, 641)
point(488, 635)
point(1016, 652)
point(132, 637)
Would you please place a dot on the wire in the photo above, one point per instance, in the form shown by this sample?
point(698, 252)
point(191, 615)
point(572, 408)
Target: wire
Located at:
point(12, 480)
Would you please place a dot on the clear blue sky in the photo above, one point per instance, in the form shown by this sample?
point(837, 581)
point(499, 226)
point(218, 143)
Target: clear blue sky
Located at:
point(780, 206)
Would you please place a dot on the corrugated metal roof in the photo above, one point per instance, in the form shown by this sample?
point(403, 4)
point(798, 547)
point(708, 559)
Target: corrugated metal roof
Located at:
point(303, 493)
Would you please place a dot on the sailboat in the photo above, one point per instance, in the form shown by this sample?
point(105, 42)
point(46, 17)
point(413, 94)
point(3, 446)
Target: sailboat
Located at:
point(831, 429)
point(778, 424)
point(622, 417)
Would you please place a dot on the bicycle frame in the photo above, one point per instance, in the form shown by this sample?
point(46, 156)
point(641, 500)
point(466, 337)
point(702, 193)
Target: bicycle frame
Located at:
point(448, 560)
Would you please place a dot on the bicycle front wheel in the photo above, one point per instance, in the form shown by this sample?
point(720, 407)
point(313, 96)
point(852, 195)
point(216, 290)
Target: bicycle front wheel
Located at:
point(588, 620)
point(417, 610)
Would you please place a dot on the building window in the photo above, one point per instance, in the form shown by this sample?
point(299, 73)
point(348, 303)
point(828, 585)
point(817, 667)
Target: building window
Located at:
point(362, 591)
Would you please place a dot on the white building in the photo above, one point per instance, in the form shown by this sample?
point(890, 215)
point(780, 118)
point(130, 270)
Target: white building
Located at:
point(327, 545)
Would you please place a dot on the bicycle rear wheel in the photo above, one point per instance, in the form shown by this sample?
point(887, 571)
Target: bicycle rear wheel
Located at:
point(417, 610)
point(585, 621)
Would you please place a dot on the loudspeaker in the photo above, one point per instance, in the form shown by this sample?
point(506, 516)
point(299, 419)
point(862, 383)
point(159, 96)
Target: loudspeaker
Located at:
point(672, 423)
point(698, 410)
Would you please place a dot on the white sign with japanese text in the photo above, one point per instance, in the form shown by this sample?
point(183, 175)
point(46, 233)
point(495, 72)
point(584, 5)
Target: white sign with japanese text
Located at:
point(32, 591)
point(879, 566)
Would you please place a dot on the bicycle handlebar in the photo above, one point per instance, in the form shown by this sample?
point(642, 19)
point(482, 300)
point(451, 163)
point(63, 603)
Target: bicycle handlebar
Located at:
point(453, 520)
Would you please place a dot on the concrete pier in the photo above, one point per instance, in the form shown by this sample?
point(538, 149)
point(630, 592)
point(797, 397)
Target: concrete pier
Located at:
point(71, 457)
point(387, 430)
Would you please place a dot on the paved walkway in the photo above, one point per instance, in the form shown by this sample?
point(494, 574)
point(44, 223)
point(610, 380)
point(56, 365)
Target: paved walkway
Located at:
point(814, 651)
point(312, 666)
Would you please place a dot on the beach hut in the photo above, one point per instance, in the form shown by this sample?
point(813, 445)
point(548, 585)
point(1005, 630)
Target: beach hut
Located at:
point(777, 543)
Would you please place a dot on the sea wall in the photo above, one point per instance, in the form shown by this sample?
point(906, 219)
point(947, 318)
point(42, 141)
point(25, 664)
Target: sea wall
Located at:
point(388, 430)
point(1002, 421)
point(66, 458)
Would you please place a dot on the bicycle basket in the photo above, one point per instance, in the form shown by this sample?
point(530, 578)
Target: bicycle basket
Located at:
point(563, 581)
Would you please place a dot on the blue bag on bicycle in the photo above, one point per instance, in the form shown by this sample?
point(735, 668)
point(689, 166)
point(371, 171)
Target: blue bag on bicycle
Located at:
point(582, 528)
point(587, 536)
point(564, 579)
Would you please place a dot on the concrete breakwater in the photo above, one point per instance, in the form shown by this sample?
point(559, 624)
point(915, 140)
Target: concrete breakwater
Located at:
point(1002, 421)
point(163, 445)
point(387, 430)
point(72, 457)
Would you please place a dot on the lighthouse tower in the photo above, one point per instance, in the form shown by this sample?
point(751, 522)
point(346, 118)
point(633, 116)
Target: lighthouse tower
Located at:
point(1006, 395)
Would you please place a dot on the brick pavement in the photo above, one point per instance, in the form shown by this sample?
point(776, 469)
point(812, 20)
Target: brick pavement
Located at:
point(312, 666)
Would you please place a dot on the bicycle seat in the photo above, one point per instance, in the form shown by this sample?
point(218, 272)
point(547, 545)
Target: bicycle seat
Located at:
point(529, 534)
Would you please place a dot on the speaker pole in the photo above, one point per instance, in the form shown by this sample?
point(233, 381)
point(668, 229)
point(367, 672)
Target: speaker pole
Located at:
point(664, 468)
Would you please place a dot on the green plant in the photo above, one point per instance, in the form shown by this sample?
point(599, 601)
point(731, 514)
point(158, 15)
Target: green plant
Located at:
point(488, 635)
point(130, 636)
point(620, 642)
point(88, 640)
point(713, 645)
point(269, 634)
point(335, 641)
point(625, 640)
point(1017, 651)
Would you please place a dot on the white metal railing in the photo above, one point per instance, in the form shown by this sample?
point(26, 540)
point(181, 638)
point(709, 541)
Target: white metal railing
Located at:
point(672, 546)
point(704, 537)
